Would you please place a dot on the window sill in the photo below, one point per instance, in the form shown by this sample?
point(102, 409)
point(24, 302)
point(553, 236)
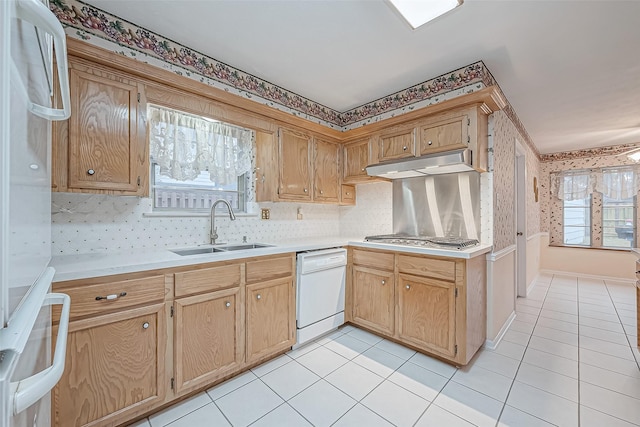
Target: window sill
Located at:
point(590, 247)
point(196, 215)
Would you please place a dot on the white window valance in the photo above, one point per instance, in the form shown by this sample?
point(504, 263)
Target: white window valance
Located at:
point(615, 183)
point(620, 183)
point(573, 185)
point(183, 145)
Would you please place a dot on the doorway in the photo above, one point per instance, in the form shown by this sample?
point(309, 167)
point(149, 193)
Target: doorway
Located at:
point(521, 219)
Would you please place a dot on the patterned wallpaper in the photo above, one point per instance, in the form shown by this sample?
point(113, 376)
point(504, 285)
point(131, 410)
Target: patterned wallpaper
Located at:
point(503, 134)
point(373, 213)
point(83, 223)
point(86, 22)
point(579, 159)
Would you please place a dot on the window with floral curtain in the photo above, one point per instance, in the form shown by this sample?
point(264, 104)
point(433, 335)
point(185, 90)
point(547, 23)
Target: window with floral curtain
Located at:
point(196, 160)
point(598, 207)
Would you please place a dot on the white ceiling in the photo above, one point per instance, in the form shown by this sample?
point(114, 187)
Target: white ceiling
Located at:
point(570, 69)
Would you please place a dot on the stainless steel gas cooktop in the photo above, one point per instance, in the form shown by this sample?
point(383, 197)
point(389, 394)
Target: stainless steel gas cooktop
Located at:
point(459, 243)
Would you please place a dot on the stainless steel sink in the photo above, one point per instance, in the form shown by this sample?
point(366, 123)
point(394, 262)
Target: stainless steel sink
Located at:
point(245, 246)
point(210, 250)
point(197, 251)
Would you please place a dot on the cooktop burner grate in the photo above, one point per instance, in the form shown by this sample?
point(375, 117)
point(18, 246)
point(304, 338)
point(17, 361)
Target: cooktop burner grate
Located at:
point(424, 241)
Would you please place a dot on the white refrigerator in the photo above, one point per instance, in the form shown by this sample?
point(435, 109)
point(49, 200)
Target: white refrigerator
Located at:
point(28, 369)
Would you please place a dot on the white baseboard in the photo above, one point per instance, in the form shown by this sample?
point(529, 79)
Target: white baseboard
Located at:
point(590, 276)
point(532, 284)
point(492, 344)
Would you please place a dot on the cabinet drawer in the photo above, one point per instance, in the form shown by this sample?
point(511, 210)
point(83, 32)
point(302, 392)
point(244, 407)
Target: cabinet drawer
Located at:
point(428, 267)
point(348, 194)
point(207, 279)
point(268, 269)
point(84, 299)
point(444, 135)
point(379, 260)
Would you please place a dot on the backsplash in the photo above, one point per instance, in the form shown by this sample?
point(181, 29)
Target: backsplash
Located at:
point(373, 213)
point(83, 223)
point(99, 223)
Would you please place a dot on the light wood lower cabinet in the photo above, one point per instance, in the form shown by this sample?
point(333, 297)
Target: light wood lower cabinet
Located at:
point(183, 330)
point(209, 341)
point(114, 368)
point(427, 313)
point(434, 304)
point(373, 299)
point(270, 325)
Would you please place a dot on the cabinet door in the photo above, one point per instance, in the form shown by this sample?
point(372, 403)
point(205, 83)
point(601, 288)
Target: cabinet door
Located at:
point(326, 182)
point(295, 155)
point(427, 312)
point(397, 143)
point(373, 299)
point(271, 318)
point(114, 368)
point(444, 135)
point(208, 338)
point(106, 142)
point(356, 159)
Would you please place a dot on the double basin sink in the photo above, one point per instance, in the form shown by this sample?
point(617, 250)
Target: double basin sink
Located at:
point(214, 249)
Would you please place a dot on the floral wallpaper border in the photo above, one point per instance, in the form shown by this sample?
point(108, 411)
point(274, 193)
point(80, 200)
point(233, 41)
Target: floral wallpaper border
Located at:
point(613, 150)
point(89, 21)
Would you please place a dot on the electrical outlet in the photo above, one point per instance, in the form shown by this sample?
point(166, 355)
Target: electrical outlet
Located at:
point(265, 213)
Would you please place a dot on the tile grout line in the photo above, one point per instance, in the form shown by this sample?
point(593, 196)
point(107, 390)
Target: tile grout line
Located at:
point(522, 361)
point(625, 331)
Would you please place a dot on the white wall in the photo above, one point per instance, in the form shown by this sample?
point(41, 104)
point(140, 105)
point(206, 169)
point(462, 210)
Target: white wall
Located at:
point(591, 262)
point(500, 292)
point(533, 259)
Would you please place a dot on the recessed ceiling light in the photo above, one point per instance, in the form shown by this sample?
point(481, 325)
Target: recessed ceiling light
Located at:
point(419, 12)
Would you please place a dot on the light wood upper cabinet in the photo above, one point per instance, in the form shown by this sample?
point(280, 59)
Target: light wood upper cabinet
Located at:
point(373, 299)
point(396, 143)
point(209, 340)
point(102, 148)
point(271, 319)
point(356, 159)
point(295, 158)
point(114, 368)
point(326, 172)
point(444, 135)
point(427, 313)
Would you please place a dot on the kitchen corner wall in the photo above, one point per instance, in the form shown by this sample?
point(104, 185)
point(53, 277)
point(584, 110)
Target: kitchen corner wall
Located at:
point(501, 292)
point(83, 223)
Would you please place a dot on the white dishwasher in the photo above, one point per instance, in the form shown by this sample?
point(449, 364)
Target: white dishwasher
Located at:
point(320, 301)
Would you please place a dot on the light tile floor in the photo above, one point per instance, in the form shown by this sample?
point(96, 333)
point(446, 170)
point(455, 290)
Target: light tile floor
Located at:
point(569, 359)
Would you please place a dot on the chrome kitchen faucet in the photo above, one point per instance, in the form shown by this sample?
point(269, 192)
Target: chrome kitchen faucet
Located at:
point(214, 229)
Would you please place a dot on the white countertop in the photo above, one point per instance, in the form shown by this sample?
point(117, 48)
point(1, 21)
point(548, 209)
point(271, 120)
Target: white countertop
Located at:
point(84, 266)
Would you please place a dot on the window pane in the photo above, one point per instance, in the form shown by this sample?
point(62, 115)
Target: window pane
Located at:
point(577, 222)
point(618, 222)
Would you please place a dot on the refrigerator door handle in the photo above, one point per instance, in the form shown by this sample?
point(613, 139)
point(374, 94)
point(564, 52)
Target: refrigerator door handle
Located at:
point(29, 390)
point(40, 16)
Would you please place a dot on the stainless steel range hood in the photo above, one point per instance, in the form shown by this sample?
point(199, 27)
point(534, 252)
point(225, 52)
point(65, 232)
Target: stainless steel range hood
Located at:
point(432, 164)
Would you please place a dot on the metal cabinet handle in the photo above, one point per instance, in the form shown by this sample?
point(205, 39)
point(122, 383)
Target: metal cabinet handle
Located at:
point(408, 287)
point(404, 148)
point(306, 191)
point(258, 296)
point(145, 325)
point(227, 304)
point(348, 194)
point(321, 192)
point(112, 296)
point(91, 172)
point(430, 142)
point(383, 282)
point(363, 169)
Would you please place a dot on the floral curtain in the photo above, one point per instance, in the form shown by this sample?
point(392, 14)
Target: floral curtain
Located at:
point(183, 145)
